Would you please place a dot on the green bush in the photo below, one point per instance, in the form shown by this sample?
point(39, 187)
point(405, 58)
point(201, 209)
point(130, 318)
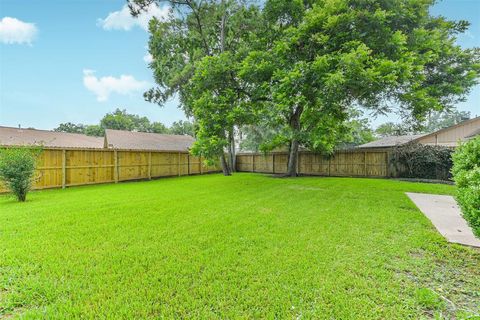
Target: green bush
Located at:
point(414, 160)
point(17, 169)
point(466, 173)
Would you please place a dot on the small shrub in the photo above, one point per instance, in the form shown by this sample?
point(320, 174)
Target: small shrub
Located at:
point(466, 173)
point(17, 169)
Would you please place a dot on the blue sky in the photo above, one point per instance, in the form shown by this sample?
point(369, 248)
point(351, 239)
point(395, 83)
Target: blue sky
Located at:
point(82, 59)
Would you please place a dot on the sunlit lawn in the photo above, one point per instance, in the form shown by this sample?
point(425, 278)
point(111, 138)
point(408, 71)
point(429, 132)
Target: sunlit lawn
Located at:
point(246, 246)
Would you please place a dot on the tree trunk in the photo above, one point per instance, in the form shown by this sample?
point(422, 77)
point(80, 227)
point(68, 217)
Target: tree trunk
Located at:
point(231, 150)
point(294, 144)
point(293, 158)
point(225, 168)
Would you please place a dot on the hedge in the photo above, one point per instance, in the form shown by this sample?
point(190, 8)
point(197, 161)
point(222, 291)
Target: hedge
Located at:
point(466, 174)
point(414, 160)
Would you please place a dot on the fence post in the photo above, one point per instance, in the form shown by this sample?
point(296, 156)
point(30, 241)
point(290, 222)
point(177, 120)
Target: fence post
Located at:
point(64, 168)
point(188, 163)
point(178, 163)
point(365, 163)
point(115, 168)
point(273, 163)
point(329, 163)
point(253, 162)
point(298, 162)
point(150, 165)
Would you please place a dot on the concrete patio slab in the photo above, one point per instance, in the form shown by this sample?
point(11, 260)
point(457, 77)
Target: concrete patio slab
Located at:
point(446, 216)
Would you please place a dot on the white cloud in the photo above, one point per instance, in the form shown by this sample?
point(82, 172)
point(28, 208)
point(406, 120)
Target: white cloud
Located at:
point(148, 58)
point(104, 86)
point(123, 20)
point(13, 30)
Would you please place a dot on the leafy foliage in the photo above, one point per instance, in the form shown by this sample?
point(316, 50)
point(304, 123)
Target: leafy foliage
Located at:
point(392, 129)
point(183, 128)
point(260, 138)
point(414, 160)
point(299, 66)
point(440, 120)
point(122, 120)
point(435, 120)
point(466, 173)
point(17, 168)
point(94, 130)
point(70, 128)
point(197, 52)
point(326, 56)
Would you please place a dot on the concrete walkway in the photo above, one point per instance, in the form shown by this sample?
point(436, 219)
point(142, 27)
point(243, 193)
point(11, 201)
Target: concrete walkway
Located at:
point(446, 216)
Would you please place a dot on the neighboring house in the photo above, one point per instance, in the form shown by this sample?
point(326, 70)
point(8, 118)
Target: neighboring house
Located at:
point(119, 139)
point(449, 137)
point(48, 139)
point(114, 139)
point(391, 141)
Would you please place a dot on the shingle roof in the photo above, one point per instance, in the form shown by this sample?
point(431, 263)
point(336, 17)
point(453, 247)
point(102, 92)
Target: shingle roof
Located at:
point(22, 137)
point(118, 139)
point(390, 141)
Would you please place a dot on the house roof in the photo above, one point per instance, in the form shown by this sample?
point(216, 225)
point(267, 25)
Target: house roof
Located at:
point(23, 137)
point(119, 139)
point(391, 141)
point(451, 127)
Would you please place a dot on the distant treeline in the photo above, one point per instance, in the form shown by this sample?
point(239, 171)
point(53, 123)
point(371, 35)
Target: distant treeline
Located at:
point(121, 120)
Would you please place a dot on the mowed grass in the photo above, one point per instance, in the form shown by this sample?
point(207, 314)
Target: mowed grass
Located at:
point(246, 246)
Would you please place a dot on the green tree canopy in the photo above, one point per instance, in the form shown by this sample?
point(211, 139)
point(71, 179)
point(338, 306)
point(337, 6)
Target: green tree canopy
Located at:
point(183, 128)
point(300, 66)
point(392, 129)
point(70, 127)
point(439, 120)
point(121, 120)
point(195, 52)
point(330, 55)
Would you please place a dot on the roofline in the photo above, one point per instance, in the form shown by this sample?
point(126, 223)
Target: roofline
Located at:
point(447, 128)
point(53, 131)
point(94, 149)
point(418, 136)
point(158, 134)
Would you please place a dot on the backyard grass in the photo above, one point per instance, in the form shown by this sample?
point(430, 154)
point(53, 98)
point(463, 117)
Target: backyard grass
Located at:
point(246, 246)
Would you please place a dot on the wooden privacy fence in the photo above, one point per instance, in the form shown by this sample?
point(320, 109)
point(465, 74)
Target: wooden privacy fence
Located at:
point(342, 163)
point(72, 167)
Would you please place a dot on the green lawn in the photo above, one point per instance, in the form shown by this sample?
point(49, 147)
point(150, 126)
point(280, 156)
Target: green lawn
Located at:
point(246, 246)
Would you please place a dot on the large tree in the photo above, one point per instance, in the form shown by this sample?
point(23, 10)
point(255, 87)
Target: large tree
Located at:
point(378, 54)
point(439, 120)
point(122, 120)
point(393, 129)
point(119, 120)
point(434, 121)
point(201, 35)
point(70, 127)
point(183, 128)
point(302, 65)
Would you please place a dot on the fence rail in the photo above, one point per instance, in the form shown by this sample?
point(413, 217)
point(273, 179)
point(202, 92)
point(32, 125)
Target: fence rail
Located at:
point(71, 167)
point(342, 163)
